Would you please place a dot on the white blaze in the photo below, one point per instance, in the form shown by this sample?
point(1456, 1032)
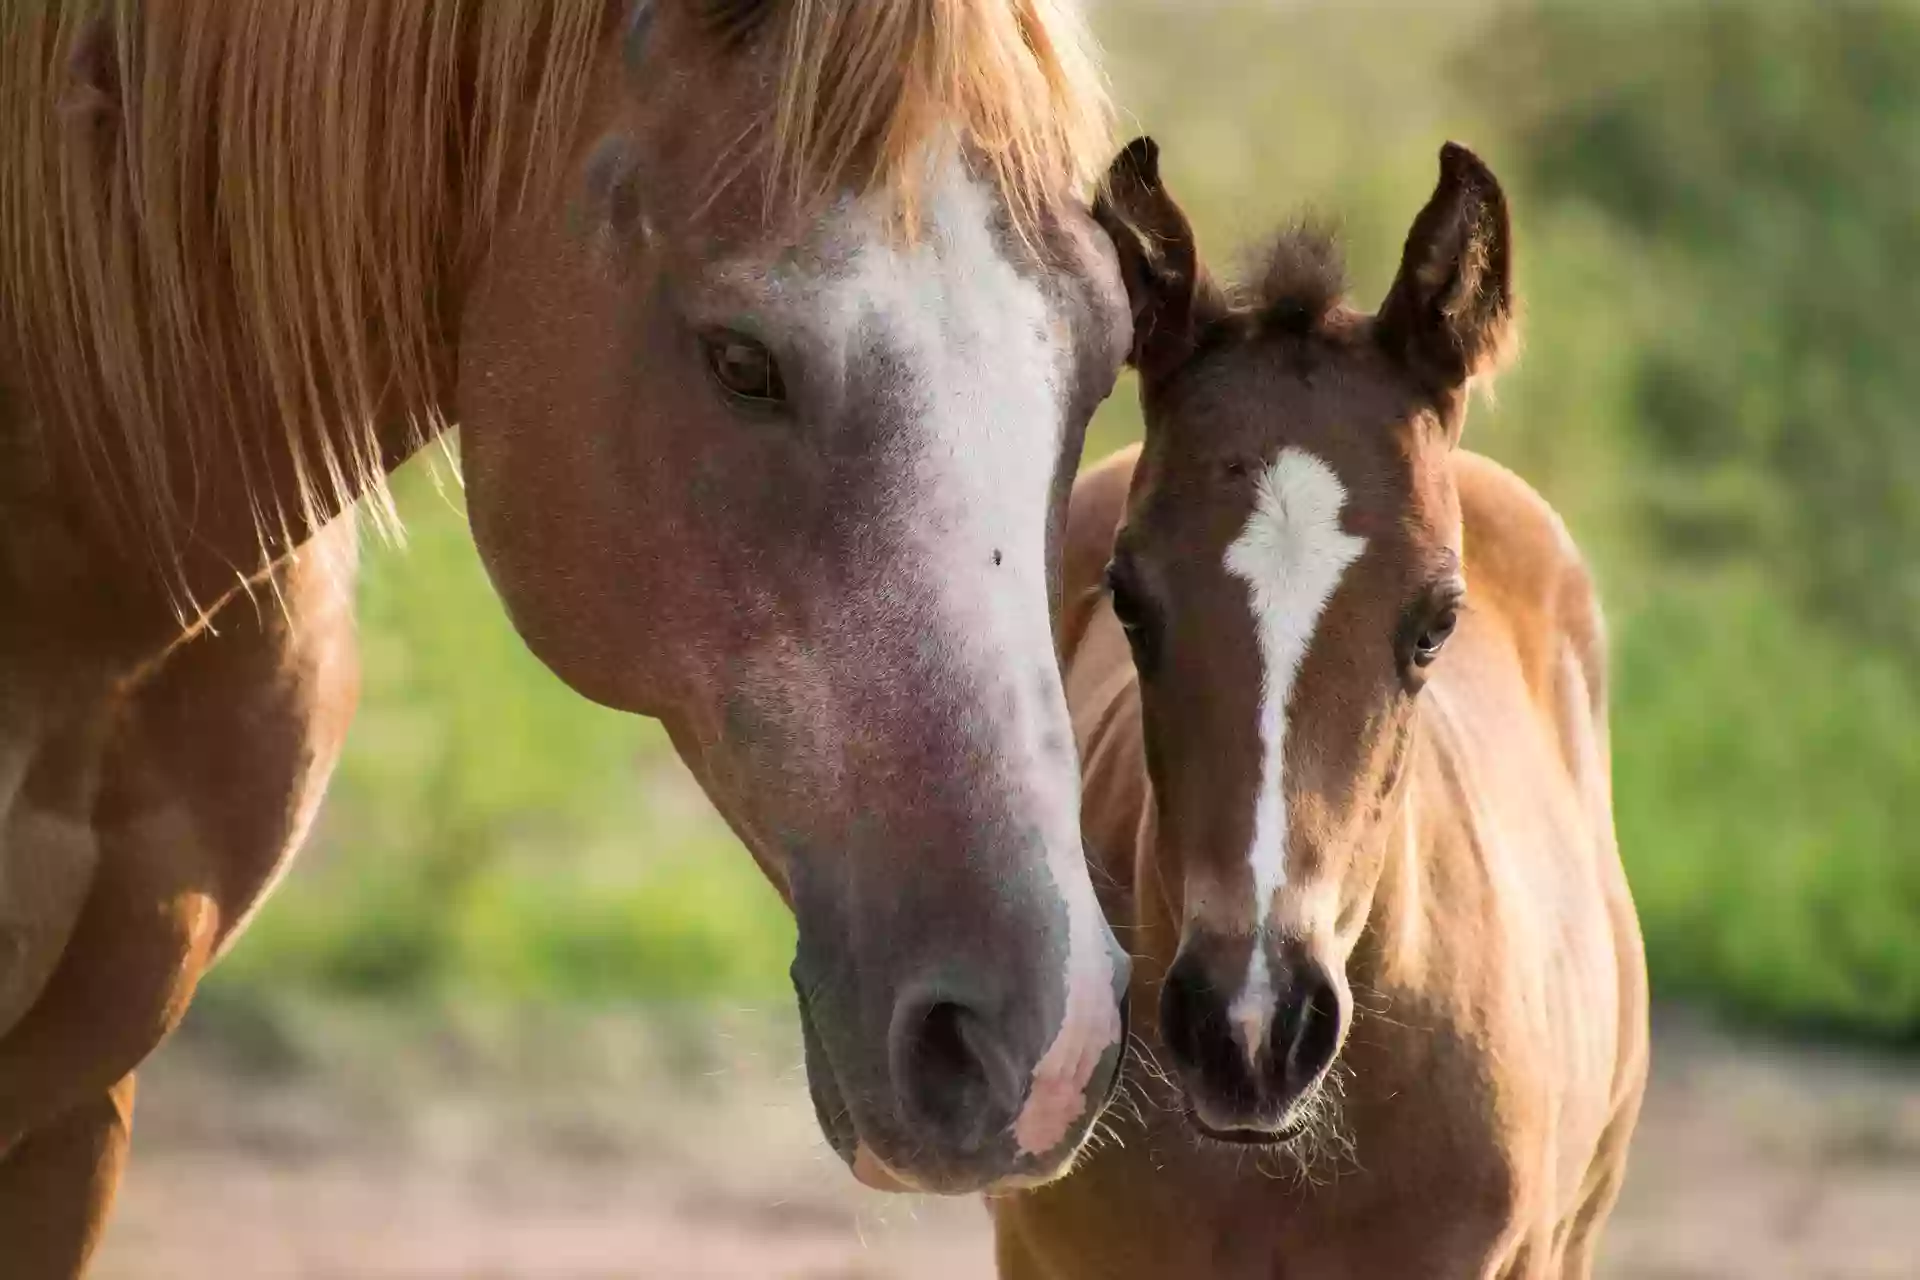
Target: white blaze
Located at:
point(1292, 555)
point(984, 359)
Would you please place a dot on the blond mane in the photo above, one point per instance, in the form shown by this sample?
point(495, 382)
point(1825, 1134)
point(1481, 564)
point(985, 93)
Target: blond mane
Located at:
point(259, 207)
point(865, 84)
point(257, 219)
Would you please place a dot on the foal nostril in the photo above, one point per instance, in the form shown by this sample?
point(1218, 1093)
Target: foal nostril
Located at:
point(1199, 1033)
point(957, 1086)
point(1306, 1030)
point(1206, 1025)
point(1192, 1017)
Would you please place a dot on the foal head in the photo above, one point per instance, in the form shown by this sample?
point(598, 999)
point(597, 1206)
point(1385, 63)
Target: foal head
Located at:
point(768, 432)
point(1288, 573)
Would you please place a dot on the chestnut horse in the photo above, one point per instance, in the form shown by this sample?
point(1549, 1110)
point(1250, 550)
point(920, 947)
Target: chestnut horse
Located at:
point(1341, 695)
point(772, 327)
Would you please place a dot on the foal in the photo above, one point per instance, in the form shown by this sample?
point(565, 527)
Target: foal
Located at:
point(1354, 806)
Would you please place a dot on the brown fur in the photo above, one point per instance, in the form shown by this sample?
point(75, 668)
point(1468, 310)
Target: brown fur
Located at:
point(209, 769)
point(1452, 858)
point(254, 252)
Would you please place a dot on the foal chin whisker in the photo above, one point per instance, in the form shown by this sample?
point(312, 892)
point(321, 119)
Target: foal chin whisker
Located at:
point(1131, 1099)
point(1102, 1136)
point(1377, 1012)
point(1143, 1055)
point(1126, 1105)
point(1320, 1152)
point(1325, 1148)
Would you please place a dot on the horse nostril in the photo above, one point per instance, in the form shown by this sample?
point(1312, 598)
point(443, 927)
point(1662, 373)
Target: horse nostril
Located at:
point(956, 1086)
point(1199, 1033)
point(1207, 1026)
point(1191, 1014)
point(1306, 1032)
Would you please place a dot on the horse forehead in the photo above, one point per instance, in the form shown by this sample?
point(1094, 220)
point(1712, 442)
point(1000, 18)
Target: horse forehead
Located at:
point(956, 293)
point(1292, 552)
point(1293, 542)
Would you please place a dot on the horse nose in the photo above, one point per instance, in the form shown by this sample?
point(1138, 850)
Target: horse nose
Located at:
point(1250, 1039)
point(1200, 1036)
point(958, 1085)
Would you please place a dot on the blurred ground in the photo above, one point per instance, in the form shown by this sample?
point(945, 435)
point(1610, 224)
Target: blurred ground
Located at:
point(691, 1155)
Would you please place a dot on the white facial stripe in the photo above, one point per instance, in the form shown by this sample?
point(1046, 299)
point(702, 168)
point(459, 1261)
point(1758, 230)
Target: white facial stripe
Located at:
point(1292, 555)
point(1252, 1009)
point(987, 362)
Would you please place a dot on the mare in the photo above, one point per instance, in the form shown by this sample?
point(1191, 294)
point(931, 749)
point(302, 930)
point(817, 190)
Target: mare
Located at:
point(772, 328)
point(1341, 691)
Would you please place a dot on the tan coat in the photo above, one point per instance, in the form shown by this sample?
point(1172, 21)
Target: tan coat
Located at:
point(1499, 1048)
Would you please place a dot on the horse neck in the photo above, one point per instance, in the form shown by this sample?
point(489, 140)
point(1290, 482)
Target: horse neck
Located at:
point(1400, 914)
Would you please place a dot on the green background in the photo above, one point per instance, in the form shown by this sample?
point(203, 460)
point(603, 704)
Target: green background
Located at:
point(1718, 212)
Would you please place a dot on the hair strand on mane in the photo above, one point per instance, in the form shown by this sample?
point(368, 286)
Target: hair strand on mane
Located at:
point(245, 230)
point(867, 87)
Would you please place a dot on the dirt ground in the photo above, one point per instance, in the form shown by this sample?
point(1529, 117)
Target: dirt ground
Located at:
point(1754, 1160)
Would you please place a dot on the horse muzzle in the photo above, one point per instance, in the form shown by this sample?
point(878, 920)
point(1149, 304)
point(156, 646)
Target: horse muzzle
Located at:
point(966, 1099)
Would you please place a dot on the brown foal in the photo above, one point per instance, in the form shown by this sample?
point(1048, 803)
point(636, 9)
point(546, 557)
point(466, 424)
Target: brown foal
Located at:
point(1340, 694)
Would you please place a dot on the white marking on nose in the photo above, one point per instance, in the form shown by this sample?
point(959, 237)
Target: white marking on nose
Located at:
point(1091, 1026)
point(993, 367)
point(986, 361)
point(1291, 554)
point(1252, 1010)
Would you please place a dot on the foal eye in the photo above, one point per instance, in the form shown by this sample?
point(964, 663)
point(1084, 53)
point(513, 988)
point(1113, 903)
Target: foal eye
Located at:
point(1429, 624)
point(744, 368)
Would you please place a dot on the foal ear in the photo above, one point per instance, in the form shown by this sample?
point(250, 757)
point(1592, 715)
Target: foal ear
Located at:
point(1159, 261)
point(1449, 315)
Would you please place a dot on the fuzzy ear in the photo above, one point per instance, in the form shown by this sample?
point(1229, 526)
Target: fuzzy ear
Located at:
point(1449, 315)
point(1159, 261)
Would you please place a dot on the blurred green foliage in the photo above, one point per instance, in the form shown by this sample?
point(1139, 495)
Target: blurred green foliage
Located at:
point(1764, 161)
point(1718, 208)
point(1764, 792)
point(489, 832)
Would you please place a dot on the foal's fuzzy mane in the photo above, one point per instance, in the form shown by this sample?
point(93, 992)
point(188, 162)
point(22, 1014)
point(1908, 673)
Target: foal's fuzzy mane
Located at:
point(230, 217)
point(1301, 282)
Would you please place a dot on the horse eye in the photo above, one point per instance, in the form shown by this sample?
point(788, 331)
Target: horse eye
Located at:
point(1426, 646)
point(1131, 614)
point(745, 369)
point(1125, 608)
point(1430, 621)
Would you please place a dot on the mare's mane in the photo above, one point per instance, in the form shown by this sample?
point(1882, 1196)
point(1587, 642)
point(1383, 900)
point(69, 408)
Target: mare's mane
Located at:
point(865, 84)
point(243, 209)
